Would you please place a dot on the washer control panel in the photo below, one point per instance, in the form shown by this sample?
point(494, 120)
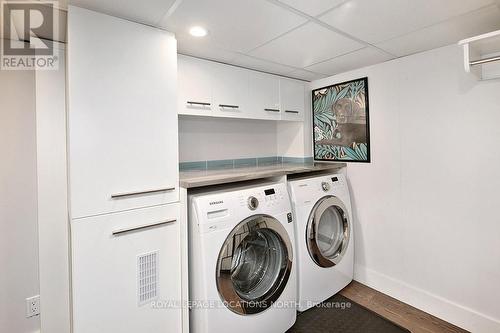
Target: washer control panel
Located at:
point(325, 186)
point(253, 203)
point(273, 196)
point(220, 209)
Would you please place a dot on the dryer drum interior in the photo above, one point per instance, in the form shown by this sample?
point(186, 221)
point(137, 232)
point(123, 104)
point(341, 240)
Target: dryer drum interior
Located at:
point(328, 231)
point(254, 265)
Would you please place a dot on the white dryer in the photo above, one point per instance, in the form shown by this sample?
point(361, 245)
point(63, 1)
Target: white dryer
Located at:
point(242, 275)
point(324, 237)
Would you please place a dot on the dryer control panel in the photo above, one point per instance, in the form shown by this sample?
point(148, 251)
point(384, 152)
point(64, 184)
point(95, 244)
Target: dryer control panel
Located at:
point(338, 181)
point(307, 191)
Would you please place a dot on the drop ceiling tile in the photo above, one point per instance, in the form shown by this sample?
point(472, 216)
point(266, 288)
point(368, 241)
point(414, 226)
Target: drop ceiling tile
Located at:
point(379, 20)
point(357, 59)
point(237, 25)
point(306, 45)
point(203, 49)
point(306, 75)
point(261, 65)
point(146, 11)
point(312, 7)
point(446, 33)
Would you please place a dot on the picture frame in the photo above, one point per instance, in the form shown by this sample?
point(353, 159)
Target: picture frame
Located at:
point(341, 123)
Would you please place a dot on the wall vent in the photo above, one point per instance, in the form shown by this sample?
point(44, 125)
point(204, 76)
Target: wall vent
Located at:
point(147, 275)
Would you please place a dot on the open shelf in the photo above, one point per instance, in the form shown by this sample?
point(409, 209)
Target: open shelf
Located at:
point(482, 55)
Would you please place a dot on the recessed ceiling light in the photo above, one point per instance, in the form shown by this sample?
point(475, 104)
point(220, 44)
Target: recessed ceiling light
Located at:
point(198, 31)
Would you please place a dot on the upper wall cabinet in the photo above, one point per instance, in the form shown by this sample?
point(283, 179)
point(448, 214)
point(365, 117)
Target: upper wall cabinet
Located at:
point(264, 92)
point(195, 78)
point(292, 99)
point(208, 88)
point(122, 80)
point(230, 91)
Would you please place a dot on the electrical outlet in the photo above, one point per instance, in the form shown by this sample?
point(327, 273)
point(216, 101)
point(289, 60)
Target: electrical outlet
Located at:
point(32, 306)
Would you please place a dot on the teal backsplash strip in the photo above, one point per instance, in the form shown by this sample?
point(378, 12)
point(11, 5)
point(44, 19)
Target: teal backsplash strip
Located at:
point(220, 164)
point(299, 160)
point(271, 160)
point(192, 166)
point(245, 163)
point(242, 163)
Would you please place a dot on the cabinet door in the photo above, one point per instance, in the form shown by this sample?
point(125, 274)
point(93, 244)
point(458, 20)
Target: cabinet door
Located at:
point(264, 96)
point(122, 265)
point(292, 99)
point(195, 78)
point(122, 80)
point(230, 88)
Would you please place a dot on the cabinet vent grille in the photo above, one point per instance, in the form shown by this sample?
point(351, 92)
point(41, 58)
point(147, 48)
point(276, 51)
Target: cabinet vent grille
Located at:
point(147, 275)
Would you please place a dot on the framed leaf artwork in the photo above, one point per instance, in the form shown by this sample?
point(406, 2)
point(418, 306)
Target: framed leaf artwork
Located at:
point(340, 122)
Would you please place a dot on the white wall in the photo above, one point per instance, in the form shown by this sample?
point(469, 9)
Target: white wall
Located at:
point(203, 139)
point(426, 219)
point(53, 223)
point(18, 201)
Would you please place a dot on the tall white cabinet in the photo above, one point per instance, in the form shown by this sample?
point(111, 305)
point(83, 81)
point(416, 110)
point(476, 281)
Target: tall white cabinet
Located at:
point(126, 270)
point(122, 116)
point(123, 175)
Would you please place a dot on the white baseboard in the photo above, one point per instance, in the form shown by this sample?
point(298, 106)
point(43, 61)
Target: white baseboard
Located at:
point(440, 307)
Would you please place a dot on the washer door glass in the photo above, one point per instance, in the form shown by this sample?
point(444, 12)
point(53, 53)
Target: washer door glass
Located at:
point(328, 232)
point(254, 265)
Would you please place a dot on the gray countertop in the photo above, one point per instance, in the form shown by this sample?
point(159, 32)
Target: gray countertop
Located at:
point(193, 179)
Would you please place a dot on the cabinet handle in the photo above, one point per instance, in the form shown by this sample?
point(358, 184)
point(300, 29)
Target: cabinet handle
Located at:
point(272, 110)
point(292, 111)
point(199, 103)
point(141, 227)
point(229, 106)
point(130, 194)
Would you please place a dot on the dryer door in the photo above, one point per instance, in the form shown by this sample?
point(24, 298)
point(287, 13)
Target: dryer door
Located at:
point(328, 231)
point(254, 265)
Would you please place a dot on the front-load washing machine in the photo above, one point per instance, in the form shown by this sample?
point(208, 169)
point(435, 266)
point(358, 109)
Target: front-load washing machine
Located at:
point(324, 237)
point(242, 275)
